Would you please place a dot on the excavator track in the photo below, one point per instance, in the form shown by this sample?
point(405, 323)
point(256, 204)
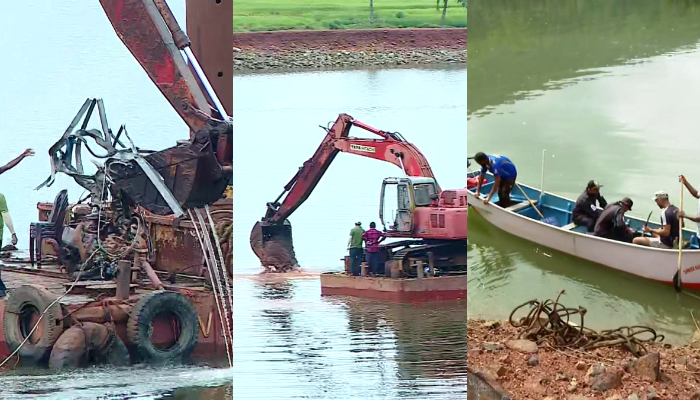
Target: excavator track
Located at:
point(449, 257)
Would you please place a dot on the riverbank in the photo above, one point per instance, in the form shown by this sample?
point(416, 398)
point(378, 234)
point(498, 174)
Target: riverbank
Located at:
point(521, 369)
point(348, 48)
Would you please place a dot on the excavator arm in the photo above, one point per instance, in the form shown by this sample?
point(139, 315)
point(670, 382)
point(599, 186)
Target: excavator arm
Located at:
point(193, 173)
point(271, 238)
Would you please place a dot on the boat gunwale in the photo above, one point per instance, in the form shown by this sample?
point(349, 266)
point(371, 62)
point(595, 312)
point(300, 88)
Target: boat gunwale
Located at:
point(572, 232)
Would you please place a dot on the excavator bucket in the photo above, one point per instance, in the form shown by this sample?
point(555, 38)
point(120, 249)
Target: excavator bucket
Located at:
point(273, 245)
point(190, 171)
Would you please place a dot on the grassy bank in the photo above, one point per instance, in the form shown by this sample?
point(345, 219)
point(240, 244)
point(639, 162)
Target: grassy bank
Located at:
point(272, 15)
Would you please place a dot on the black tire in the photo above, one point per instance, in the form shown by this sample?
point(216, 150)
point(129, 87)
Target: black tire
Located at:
point(139, 328)
point(115, 353)
point(22, 303)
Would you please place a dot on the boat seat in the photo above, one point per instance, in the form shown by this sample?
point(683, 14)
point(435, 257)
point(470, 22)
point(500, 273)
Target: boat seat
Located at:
point(520, 206)
point(569, 227)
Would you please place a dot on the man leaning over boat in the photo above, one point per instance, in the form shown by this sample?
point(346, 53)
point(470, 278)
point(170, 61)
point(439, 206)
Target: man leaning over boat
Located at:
point(611, 223)
point(504, 173)
point(665, 237)
point(586, 212)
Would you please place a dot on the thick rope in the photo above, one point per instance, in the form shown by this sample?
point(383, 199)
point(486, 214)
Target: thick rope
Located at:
point(550, 322)
point(214, 289)
point(212, 254)
point(229, 288)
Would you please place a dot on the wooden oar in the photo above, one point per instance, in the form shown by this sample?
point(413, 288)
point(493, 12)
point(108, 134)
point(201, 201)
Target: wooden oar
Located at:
point(677, 280)
point(549, 220)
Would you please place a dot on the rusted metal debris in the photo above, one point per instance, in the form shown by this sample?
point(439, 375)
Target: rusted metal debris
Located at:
point(164, 182)
point(480, 386)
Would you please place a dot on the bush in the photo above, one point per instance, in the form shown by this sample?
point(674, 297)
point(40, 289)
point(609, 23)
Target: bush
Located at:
point(399, 14)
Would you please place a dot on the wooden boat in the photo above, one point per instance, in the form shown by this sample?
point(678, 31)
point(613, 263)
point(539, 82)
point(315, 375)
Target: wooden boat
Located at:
point(522, 220)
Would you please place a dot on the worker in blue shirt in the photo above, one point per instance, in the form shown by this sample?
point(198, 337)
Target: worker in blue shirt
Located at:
point(504, 173)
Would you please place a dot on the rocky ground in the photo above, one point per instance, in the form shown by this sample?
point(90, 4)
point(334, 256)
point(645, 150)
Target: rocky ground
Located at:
point(348, 48)
point(522, 370)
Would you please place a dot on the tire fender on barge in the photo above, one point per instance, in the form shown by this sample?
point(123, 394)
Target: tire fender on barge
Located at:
point(22, 311)
point(88, 343)
point(167, 318)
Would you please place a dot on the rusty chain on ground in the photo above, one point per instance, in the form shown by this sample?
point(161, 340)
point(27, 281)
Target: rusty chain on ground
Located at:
point(550, 322)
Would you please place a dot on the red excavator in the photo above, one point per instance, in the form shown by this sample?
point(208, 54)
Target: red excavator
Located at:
point(435, 219)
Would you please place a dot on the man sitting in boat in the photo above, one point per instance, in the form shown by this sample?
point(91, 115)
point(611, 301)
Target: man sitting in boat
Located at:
point(691, 189)
point(586, 212)
point(504, 174)
point(611, 223)
point(665, 237)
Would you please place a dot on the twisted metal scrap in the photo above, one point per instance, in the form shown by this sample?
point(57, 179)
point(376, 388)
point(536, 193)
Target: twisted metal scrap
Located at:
point(550, 322)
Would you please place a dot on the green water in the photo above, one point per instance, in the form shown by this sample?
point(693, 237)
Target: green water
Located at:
point(609, 89)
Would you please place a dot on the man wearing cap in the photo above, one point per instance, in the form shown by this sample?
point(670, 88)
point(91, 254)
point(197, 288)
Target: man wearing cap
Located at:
point(355, 247)
point(611, 223)
point(586, 211)
point(691, 189)
point(504, 173)
point(665, 237)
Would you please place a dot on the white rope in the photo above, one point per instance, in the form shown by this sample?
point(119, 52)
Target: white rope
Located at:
point(207, 240)
point(216, 297)
point(221, 257)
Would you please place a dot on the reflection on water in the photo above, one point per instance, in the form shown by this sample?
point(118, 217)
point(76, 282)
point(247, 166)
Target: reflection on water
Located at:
point(347, 348)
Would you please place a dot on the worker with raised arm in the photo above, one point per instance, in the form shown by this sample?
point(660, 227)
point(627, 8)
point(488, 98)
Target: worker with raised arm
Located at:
point(694, 193)
point(355, 248)
point(372, 238)
point(504, 173)
point(5, 213)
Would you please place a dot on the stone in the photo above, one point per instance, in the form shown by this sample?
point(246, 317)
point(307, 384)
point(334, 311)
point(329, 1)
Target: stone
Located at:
point(692, 367)
point(533, 361)
point(578, 397)
point(505, 359)
point(522, 345)
point(573, 385)
point(580, 365)
point(695, 396)
point(633, 396)
point(651, 394)
point(648, 366)
point(474, 352)
point(483, 385)
point(614, 397)
point(562, 376)
point(595, 370)
point(607, 380)
point(491, 325)
point(493, 346)
point(681, 360)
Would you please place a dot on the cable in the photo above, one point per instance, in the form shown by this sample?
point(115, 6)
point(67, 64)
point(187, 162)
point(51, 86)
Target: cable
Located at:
point(216, 297)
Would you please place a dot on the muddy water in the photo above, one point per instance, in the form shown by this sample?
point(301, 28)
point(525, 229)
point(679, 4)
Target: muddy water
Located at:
point(290, 342)
point(608, 88)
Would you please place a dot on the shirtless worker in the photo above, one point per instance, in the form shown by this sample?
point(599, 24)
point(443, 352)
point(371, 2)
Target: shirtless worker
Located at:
point(4, 212)
point(665, 237)
point(504, 173)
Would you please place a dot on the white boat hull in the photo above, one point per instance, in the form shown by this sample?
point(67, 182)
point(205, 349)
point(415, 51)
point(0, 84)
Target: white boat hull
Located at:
point(651, 263)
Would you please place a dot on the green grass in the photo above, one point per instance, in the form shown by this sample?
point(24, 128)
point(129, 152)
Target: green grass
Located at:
point(272, 15)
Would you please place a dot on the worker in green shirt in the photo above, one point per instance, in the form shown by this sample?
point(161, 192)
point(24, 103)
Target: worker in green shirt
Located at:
point(355, 247)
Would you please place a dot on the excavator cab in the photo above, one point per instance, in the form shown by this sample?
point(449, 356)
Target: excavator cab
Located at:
point(399, 199)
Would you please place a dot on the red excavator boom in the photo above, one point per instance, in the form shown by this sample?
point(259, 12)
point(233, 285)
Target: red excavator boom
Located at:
point(391, 148)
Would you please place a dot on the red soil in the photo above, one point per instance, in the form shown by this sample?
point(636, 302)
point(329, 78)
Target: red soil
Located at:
point(353, 40)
